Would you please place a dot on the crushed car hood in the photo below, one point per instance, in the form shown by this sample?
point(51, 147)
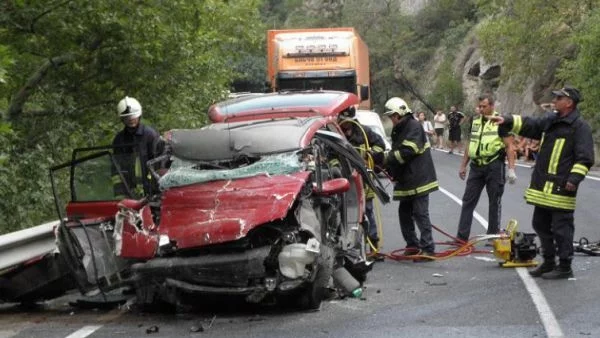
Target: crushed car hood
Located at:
point(221, 211)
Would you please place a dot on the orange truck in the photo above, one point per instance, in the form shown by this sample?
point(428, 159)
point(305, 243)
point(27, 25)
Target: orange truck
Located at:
point(319, 58)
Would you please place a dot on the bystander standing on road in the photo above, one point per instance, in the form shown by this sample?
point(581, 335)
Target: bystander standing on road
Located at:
point(439, 124)
point(486, 151)
point(427, 127)
point(411, 165)
point(564, 159)
point(455, 119)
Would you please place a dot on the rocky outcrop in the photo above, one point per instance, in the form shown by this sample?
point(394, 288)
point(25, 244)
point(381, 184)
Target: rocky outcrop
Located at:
point(479, 75)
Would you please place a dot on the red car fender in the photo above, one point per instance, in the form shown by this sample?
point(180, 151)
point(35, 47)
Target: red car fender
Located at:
point(139, 243)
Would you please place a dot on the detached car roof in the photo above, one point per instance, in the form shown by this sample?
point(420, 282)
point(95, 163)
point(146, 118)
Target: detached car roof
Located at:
point(282, 104)
point(220, 141)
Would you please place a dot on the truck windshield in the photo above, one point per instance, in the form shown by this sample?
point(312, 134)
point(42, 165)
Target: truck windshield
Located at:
point(346, 84)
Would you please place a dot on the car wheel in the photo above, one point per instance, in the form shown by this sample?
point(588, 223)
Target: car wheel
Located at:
point(312, 296)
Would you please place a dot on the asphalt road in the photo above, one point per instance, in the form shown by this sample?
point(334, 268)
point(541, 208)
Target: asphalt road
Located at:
point(467, 296)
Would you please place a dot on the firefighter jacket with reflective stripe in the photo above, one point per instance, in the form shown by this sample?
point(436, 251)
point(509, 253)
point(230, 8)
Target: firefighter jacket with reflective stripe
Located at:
point(374, 144)
point(566, 155)
point(485, 144)
point(132, 150)
point(409, 161)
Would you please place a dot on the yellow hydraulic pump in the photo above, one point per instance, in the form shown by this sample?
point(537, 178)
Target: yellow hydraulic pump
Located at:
point(517, 249)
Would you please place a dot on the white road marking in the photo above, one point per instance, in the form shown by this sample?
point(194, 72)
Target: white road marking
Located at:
point(84, 331)
point(476, 215)
point(8, 333)
point(549, 321)
point(546, 315)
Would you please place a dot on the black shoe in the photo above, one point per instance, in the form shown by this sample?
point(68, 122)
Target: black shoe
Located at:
point(546, 267)
point(450, 152)
point(560, 272)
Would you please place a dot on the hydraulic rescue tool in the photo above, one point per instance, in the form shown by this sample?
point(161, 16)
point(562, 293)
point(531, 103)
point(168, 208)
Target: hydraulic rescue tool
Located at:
point(517, 249)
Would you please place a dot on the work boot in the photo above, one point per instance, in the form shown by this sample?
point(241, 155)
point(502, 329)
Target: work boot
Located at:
point(546, 267)
point(562, 271)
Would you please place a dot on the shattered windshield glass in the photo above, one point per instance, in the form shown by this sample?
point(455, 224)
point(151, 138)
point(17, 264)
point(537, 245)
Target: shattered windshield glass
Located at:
point(184, 172)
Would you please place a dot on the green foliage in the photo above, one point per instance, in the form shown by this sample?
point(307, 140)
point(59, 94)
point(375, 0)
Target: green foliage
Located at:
point(5, 61)
point(448, 88)
point(583, 70)
point(528, 33)
point(67, 63)
point(525, 35)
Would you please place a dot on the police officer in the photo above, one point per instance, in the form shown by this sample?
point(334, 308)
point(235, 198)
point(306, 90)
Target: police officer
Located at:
point(133, 147)
point(371, 146)
point(486, 151)
point(565, 157)
point(411, 165)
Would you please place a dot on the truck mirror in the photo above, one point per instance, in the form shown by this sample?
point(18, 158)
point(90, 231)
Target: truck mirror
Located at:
point(364, 92)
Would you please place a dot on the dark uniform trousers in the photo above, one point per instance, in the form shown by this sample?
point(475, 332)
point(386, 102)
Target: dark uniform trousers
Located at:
point(417, 208)
point(553, 226)
point(490, 176)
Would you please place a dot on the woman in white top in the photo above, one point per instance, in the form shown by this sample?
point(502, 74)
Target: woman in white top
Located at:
point(426, 126)
point(439, 123)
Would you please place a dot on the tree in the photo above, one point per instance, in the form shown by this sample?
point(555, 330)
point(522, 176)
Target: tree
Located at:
point(74, 59)
point(582, 71)
point(524, 35)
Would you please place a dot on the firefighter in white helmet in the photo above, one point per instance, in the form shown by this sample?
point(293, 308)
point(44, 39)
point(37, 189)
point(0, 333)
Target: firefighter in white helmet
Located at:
point(410, 164)
point(133, 147)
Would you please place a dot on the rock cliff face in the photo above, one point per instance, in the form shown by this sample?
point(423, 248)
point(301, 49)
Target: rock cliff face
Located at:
point(479, 75)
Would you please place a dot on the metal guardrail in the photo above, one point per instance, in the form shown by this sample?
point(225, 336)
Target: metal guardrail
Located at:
point(23, 245)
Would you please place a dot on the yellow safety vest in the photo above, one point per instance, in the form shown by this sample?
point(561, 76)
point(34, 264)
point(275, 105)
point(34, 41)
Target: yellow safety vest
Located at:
point(485, 144)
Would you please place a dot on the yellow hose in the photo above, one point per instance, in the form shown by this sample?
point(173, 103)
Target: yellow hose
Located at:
point(370, 162)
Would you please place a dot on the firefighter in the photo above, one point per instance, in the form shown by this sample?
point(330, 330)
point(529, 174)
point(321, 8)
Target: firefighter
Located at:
point(410, 164)
point(565, 156)
point(486, 151)
point(372, 150)
point(133, 147)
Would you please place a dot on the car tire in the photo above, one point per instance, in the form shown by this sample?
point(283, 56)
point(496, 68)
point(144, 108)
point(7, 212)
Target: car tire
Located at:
point(312, 296)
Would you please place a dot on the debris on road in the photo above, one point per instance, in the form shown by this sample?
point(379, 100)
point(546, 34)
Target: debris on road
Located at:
point(152, 329)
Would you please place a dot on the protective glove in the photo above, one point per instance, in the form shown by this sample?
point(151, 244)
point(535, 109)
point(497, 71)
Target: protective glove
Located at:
point(511, 176)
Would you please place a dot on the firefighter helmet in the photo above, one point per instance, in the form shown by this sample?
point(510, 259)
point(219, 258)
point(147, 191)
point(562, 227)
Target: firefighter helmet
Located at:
point(129, 108)
point(396, 105)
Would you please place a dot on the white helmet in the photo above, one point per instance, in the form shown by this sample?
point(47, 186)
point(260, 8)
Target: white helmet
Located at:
point(396, 105)
point(129, 107)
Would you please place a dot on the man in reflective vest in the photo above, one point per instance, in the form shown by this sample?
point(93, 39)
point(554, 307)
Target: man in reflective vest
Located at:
point(565, 156)
point(486, 151)
point(411, 165)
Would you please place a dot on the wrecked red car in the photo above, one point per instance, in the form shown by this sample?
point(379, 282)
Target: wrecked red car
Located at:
point(265, 203)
